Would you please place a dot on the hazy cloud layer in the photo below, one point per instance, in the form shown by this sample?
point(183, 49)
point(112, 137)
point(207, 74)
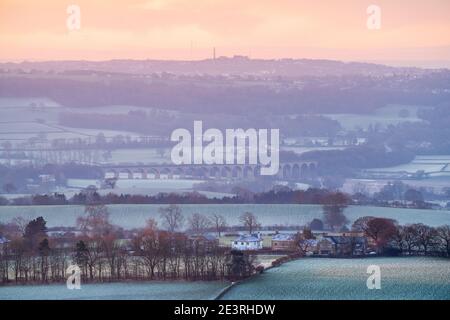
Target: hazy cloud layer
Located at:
point(182, 29)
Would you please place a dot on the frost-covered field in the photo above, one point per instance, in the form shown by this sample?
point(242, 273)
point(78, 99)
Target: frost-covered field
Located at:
point(117, 109)
point(371, 185)
point(25, 127)
point(167, 184)
point(334, 279)
point(117, 291)
point(383, 117)
point(147, 155)
point(431, 163)
point(141, 187)
point(132, 216)
point(25, 130)
point(309, 278)
point(22, 119)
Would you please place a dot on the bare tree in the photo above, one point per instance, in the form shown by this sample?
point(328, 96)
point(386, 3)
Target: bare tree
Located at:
point(96, 222)
point(151, 224)
point(249, 221)
point(172, 217)
point(21, 224)
point(424, 236)
point(146, 244)
point(380, 230)
point(98, 239)
point(398, 238)
point(219, 223)
point(199, 223)
point(111, 248)
point(304, 240)
point(409, 237)
point(93, 253)
point(443, 233)
point(334, 216)
point(333, 210)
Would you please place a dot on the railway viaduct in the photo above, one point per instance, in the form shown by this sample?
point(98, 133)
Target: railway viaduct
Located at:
point(288, 171)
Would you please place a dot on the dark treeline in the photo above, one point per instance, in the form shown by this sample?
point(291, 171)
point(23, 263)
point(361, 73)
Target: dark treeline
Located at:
point(382, 237)
point(366, 156)
point(390, 238)
point(432, 136)
point(310, 196)
point(105, 252)
point(160, 122)
point(397, 195)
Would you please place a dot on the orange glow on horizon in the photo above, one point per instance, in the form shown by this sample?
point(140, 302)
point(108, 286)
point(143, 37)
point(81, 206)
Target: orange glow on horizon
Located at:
point(187, 29)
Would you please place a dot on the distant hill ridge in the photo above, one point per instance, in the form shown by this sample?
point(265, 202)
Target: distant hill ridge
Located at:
point(223, 65)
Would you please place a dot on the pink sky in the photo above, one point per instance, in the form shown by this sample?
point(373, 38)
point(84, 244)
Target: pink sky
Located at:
point(411, 31)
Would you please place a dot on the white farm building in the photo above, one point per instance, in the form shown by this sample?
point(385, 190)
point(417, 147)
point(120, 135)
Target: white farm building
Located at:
point(248, 242)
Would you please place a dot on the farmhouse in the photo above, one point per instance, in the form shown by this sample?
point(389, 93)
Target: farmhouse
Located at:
point(284, 242)
point(248, 242)
point(336, 244)
point(319, 247)
point(348, 245)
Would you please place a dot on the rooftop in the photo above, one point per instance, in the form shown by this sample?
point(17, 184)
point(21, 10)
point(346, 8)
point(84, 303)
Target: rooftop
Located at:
point(249, 238)
point(284, 237)
point(345, 239)
point(3, 240)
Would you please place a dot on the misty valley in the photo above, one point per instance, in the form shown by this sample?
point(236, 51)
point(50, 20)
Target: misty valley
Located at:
point(216, 179)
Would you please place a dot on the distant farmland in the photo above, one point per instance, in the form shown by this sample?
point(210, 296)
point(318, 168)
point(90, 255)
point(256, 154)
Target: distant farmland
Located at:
point(134, 216)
